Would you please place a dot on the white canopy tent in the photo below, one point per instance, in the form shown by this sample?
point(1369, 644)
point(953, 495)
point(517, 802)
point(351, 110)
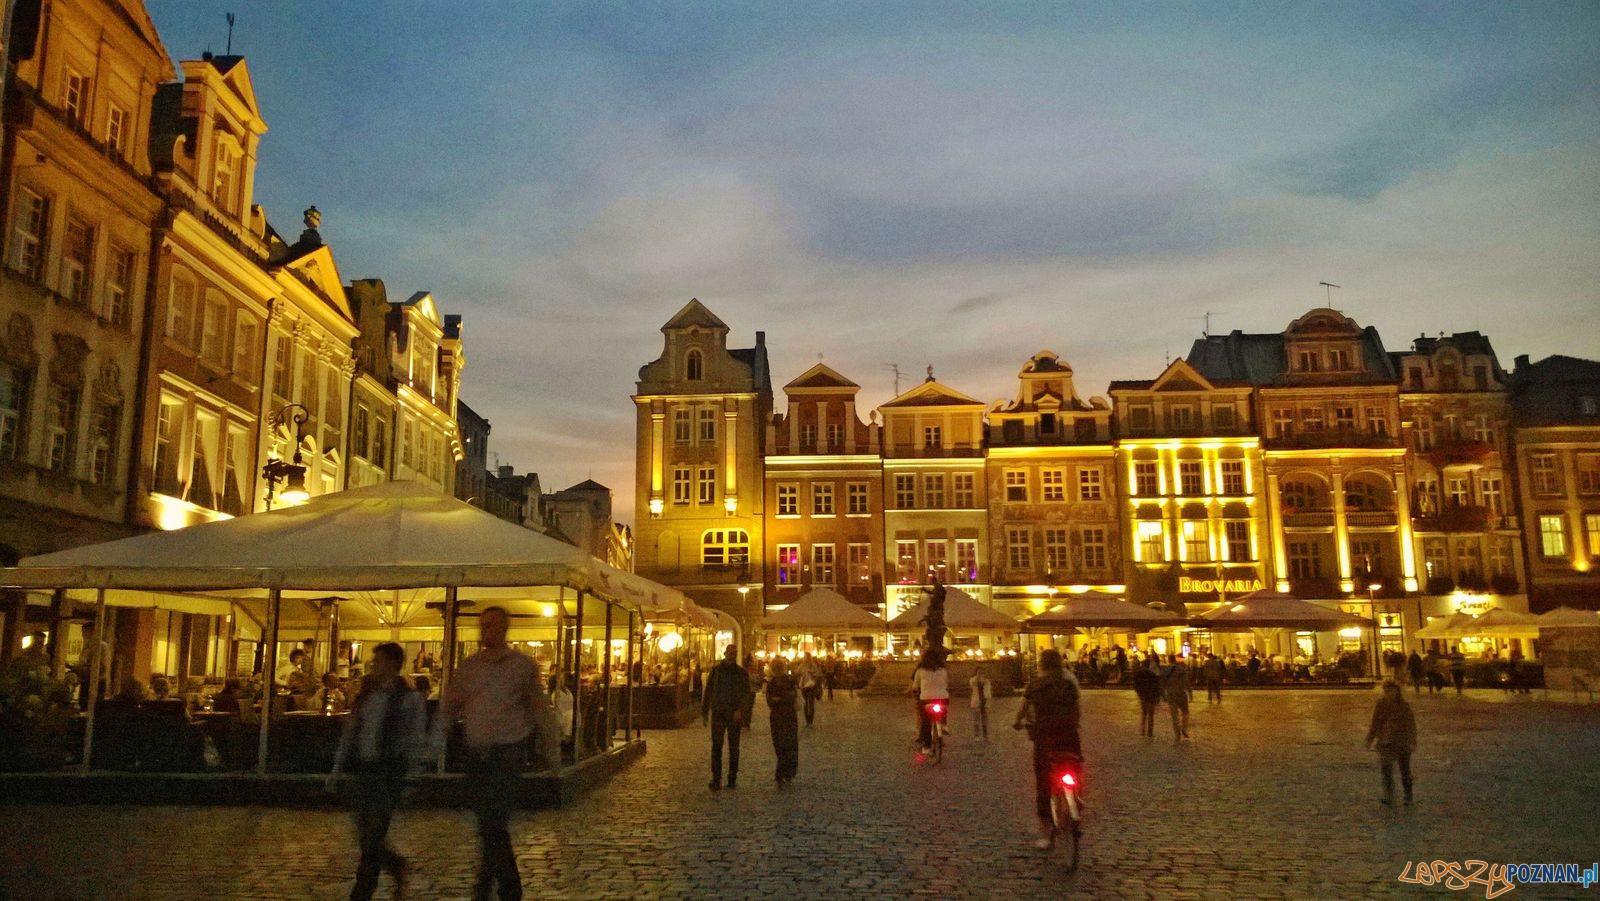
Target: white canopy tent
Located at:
point(822, 610)
point(962, 613)
point(392, 537)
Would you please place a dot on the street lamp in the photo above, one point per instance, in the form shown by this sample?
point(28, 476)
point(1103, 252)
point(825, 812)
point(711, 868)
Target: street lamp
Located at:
point(291, 473)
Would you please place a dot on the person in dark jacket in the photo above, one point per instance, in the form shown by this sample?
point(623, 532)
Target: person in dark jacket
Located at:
point(1414, 670)
point(1050, 713)
point(785, 721)
point(724, 705)
point(1394, 732)
point(1458, 668)
point(1147, 685)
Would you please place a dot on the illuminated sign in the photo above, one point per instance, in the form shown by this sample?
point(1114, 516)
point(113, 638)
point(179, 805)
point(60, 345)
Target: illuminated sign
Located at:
point(1187, 585)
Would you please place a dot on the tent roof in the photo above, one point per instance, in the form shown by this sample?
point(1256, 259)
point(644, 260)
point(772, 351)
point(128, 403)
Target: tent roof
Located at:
point(1570, 617)
point(1090, 612)
point(961, 611)
point(1274, 610)
point(1503, 623)
point(387, 536)
point(822, 609)
point(1446, 627)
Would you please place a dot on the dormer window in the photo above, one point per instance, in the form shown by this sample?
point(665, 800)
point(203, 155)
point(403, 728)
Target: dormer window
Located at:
point(1309, 361)
point(75, 98)
point(1339, 360)
point(225, 179)
point(694, 366)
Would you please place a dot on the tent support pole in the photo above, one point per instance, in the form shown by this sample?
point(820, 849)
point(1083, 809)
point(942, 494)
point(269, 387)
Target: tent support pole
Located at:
point(628, 730)
point(447, 661)
point(605, 681)
point(269, 674)
point(577, 679)
point(95, 662)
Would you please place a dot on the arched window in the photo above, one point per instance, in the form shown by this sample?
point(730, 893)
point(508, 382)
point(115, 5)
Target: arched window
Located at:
point(724, 547)
point(694, 366)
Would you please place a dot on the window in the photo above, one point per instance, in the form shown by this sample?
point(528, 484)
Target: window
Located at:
point(180, 311)
point(14, 385)
point(225, 178)
point(202, 478)
point(103, 443)
point(1309, 361)
point(1152, 545)
point(1344, 418)
point(1019, 548)
point(1377, 421)
point(1546, 477)
point(1182, 418)
point(1588, 406)
point(788, 564)
point(1091, 483)
point(213, 323)
point(933, 490)
point(1146, 481)
point(1493, 496)
point(1553, 536)
point(725, 547)
point(380, 439)
point(1233, 477)
point(234, 472)
point(808, 437)
point(938, 556)
point(1591, 531)
point(1456, 491)
point(1500, 558)
point(1191, 477)
point(789, 499)
point(1435, 561)
point(1339, 360)
point(707, 485)
point(77, 261)
point(857, 501)
point(680, 484)
point(1094, 549)
point(965, 491)
point(1237, 533)
point(1469, 558)
point(1057, 554)
point(1311, 419)
point(1588, 466)
point(1222, 419)
point(1283, 423)
point(860, 563)
point(905, 491)
point(1140, 419)
point(60, 418)
point(932, 436)
point(247, 348)
point(282, 364)
point(117, 130)
point(1016, 485)
point(1414, 376)
point(966, 560)
point(1424, 431)
point(1196, 540)
point(359, 428)
point(694, 366)
point(1366, 561)
point(821, 498)
point(708, 425)
point(835, 434)
point(822, 565)
point(75, 98)
point(311, 386)
point(682, 428)
point(1482, 429)
point(1305, 560)
point(1047, 423)
point(906, 561)
point(119, 285)
point(1053, 484)
point(29, 234)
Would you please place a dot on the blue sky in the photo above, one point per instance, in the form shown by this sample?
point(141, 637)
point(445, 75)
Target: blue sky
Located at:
point(954, 184)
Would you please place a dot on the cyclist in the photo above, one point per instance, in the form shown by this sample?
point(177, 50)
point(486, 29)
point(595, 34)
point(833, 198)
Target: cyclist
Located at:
point(1050, 713)
point(931, 682)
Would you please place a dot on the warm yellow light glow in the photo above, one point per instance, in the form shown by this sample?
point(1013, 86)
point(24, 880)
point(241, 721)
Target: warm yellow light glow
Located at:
point(1580, 565)
point(1282, 586)
point(173, 514)
point(730, 504)
point(1116, 589)
point(671, 641)
point(1078, 589)
point(549, 610)
point(1038, 589)
point(1411, 584)
point(657, 506)
point(1350, 632)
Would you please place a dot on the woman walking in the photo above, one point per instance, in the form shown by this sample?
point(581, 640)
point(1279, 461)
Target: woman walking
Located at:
point(785, 721)
point(1175, 685)
point(1394, 732)
point(1147, 685)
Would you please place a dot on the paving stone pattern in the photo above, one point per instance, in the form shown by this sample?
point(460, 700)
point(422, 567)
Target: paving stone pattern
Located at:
point(1273, 797)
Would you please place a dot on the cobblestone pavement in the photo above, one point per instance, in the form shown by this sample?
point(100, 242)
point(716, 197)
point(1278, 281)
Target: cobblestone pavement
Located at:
point(1273, 797)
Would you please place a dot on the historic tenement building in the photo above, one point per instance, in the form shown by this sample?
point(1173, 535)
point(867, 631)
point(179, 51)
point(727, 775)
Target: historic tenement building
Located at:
point(1052, 489)
point(701, 413)
point(824, 494)
point(1555, 412)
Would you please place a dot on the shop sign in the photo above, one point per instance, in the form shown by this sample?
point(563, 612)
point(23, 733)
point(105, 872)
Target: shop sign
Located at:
point(1187, 585)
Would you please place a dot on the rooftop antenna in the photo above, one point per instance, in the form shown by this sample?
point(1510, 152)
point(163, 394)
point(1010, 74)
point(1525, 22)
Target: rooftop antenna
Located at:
point(895, 367)
point(230, 34)
point(1329, 286)
point(1207, 318)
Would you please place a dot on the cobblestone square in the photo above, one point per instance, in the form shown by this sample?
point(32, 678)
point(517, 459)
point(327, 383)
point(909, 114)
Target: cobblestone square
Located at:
point(1273, 797)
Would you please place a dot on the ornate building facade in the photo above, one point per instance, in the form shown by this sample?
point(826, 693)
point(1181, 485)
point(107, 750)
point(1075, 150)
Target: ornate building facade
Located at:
point(1555, 407)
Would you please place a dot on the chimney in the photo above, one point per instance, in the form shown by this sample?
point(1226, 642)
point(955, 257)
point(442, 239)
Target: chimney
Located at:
point(761, 339)
point(1521, 362)
point(506, 471)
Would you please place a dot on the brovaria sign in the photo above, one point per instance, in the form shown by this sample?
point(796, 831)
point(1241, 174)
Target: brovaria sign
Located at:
point(1187, 585)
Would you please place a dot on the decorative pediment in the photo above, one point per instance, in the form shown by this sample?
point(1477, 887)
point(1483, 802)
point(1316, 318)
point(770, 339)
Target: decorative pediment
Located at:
point(318, 270)
point(821, 378)
point(1322, 322)
point(423, 305)
point(933, 394)
point(1180, 376)
point(694, 315)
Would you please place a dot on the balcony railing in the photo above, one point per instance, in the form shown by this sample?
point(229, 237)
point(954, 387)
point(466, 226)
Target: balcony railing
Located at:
point(955, 450)
point(1463, 519)
point(1369, 518)
point(1307, 518)
point(1331, 438)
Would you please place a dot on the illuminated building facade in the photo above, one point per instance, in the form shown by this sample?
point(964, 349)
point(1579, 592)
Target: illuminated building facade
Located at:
point(701, 411)
point(936, 504)
point(1054, 524)
point(1555, 407)
point(1190, 473)
point(824, 494)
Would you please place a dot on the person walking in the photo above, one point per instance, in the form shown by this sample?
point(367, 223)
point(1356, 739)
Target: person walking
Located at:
point(982, 690)
point(810, 686)
point(1414, 671)
point(1147, 685)
point(1458, 668)
point(381, 746)
point(753, 671)
point(1175, 685)
point(1120, 660)
point(1394, 732)
point(497, 697)
point(1213, 676)
point(725, 706)
point(784, 720)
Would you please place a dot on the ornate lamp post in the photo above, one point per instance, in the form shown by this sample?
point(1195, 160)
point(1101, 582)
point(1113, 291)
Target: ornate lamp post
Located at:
point(291, 473)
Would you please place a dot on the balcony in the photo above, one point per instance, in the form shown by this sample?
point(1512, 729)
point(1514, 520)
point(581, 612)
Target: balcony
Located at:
point(1368, 519)
point(1463, 518)
point(1331, 438)
point(926, 453)
point(1467, 452)
point(1308, 519)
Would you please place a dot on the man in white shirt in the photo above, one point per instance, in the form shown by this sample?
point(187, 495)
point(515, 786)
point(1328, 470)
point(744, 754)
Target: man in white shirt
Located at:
point(497, 699)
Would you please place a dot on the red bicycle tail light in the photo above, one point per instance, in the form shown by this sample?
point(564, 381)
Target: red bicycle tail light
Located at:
point(936, 708)
point(1069, 780)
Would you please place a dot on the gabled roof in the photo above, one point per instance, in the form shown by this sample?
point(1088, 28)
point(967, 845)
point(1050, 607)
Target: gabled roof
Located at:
point(136, 15)
point(694, 315)
point(318, 268)
point(821, 376)
point(587, 485)
point(1045, 362)
point(933, 394)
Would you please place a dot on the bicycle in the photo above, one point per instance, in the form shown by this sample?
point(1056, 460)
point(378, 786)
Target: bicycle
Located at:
point(935, 710)
point(1066, 808)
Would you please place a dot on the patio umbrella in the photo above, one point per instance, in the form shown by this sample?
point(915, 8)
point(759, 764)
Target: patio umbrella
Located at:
point(823, 610)
point(1571, 618)
point(1098, 613)
point(1451, 626)
point(1276, 610)
point(1498, 622)
point(962, 612)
